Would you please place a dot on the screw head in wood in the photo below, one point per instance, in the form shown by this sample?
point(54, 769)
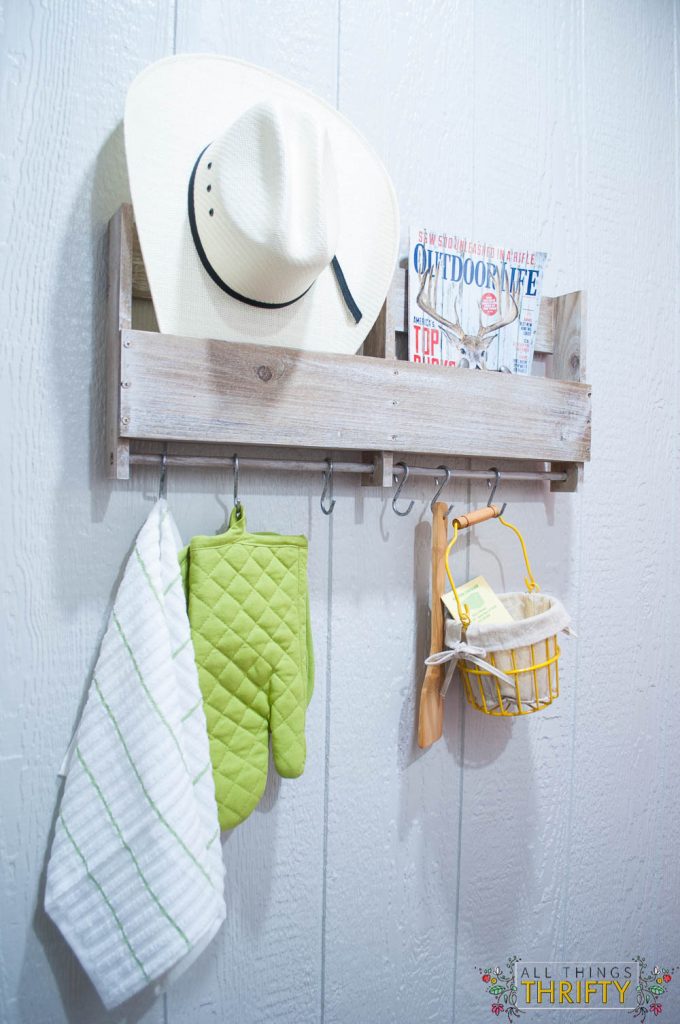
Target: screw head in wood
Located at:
point(264, 373)
point(125, 420)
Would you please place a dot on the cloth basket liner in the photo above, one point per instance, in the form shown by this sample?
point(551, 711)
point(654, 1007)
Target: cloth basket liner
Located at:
point(529, 640)
point(537, 618)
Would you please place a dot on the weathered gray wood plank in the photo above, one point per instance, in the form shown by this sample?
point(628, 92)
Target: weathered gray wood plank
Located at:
point(195, 389)
point(569, 350)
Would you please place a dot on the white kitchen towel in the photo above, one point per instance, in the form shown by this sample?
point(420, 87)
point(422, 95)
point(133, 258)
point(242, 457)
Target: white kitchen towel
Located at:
point(135, 880)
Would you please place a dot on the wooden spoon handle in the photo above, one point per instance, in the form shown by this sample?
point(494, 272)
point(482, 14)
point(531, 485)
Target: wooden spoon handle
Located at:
point(431, 709)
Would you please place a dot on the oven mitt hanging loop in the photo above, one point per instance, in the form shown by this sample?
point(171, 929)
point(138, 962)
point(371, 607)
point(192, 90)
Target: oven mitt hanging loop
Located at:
point(248, 605)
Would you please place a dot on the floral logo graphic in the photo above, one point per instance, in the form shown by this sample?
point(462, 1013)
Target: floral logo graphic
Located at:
point(652, 985)
point(501, 985)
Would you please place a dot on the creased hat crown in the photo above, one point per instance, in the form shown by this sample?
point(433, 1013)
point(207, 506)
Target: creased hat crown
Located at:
point(270, 232)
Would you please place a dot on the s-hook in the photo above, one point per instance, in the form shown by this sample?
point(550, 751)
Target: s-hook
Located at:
point(237, 504)
point(444, 469)
point(163, 482)
point(494, 488)
point(327, 489)
point(403, 480)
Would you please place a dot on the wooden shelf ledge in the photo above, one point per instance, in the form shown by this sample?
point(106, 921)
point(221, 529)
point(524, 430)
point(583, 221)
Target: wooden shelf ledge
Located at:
point(189, 389)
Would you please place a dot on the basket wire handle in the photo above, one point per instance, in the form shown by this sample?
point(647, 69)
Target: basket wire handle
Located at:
point(529, 580)
point(531, 584)
point(463, 610)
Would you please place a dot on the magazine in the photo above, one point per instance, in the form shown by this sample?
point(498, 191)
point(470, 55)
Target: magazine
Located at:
point(472, 304)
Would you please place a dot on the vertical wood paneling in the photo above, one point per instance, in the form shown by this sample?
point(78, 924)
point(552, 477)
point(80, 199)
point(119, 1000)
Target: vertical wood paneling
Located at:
point(406, 82)
point(295, 38)
point(393, 817)
point(527, 187)
point(393, 810)
point(669, 719)
point(65, 67)
point(626, 692)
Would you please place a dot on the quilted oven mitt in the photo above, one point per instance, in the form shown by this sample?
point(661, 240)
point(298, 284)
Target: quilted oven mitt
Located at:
point(248, 606)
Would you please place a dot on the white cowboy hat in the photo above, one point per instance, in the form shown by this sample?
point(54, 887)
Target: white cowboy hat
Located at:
point(263, 215)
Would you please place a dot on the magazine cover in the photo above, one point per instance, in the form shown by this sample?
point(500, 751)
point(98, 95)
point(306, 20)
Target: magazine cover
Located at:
point(472, 304)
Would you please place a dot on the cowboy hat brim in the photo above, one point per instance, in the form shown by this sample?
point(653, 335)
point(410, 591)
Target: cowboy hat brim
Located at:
point(177, 106)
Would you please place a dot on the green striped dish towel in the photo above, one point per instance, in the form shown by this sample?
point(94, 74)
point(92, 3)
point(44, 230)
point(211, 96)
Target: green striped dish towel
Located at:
point(135, 880)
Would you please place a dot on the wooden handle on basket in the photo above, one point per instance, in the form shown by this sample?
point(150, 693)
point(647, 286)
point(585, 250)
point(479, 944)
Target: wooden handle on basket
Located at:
point(480, 515)
point(431, 709)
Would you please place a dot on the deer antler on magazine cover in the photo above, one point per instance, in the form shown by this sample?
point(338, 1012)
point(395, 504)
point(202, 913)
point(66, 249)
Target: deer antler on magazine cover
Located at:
point(473, 347)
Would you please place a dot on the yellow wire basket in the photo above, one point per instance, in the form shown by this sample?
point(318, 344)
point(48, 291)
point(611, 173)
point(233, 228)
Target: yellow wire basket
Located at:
point(515, 667)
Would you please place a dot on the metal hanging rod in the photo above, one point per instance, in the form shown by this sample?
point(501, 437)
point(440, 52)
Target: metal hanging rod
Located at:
point(321, 466)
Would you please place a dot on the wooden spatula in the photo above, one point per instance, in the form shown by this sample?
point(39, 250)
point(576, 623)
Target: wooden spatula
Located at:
point(431, 711)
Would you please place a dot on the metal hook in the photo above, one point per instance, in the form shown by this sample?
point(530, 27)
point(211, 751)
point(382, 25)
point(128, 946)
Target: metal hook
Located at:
point(327, 489)
point(163, 482)
point(444, 469)
point(398, 492)
point(237, 504)
point(494, 488)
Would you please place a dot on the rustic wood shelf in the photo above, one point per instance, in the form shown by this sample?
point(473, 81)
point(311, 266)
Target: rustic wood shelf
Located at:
point(189, 391)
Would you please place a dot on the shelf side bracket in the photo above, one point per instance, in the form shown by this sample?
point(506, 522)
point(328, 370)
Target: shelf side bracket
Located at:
point(118, 318)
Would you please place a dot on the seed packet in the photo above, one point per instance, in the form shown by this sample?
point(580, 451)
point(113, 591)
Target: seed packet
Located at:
point(481, 599)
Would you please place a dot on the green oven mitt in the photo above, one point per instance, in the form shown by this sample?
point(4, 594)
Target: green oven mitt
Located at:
point(248, 605)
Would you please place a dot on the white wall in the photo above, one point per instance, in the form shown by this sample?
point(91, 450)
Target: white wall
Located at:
point(369, 890)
